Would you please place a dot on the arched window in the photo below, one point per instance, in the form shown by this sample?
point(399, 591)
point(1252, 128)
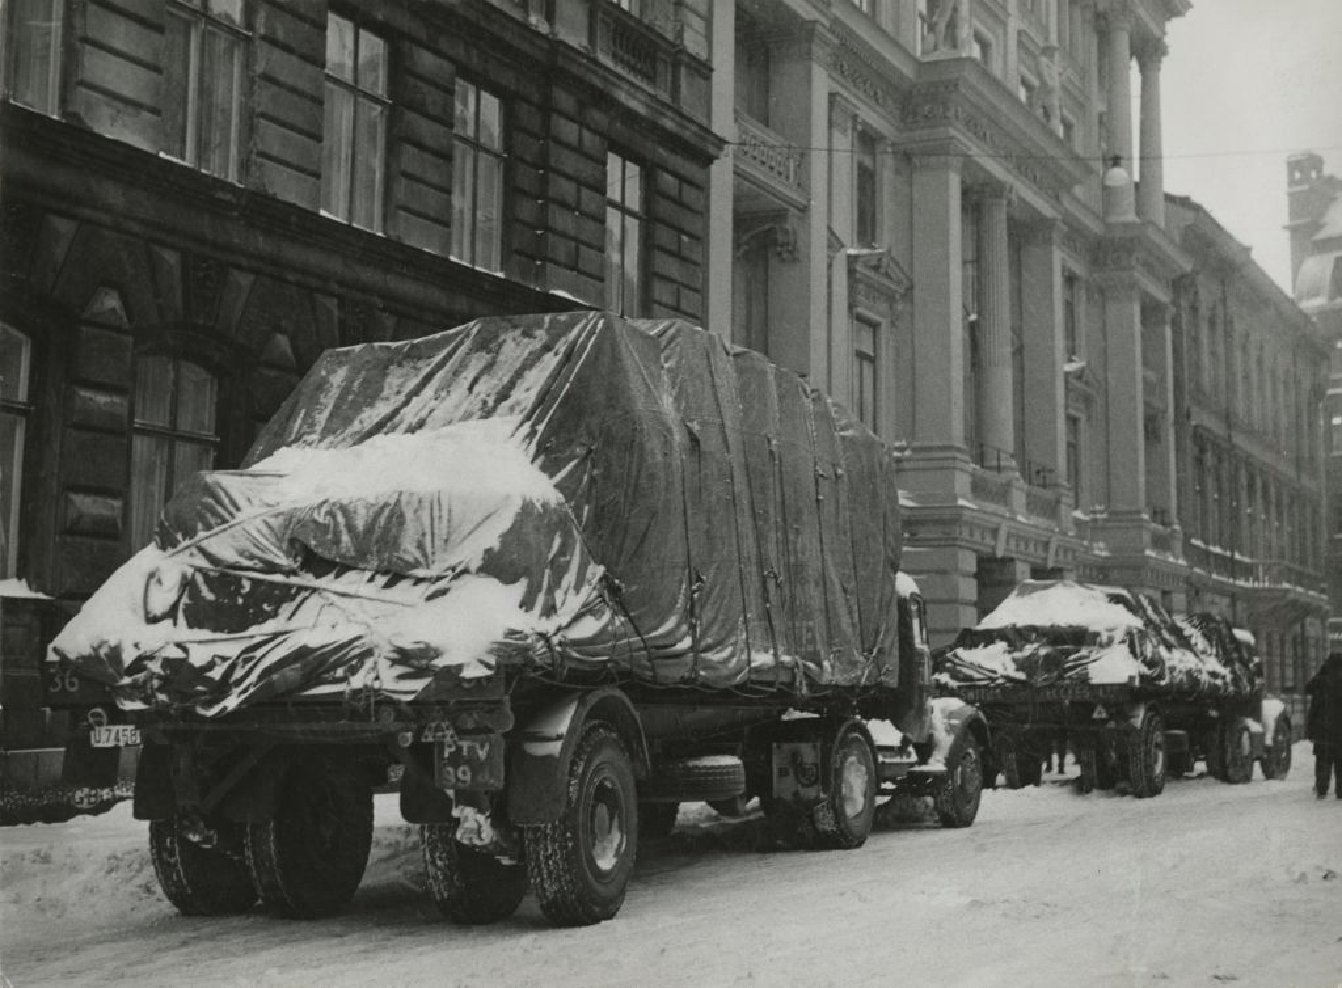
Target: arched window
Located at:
point(174, 435)
point(15, 360)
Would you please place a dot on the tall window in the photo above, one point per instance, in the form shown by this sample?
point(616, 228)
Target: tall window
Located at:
point(750, 303)
point(32, 53)
point(969, 262)
point(174, 435)
point(354, 141)
point(752, 72)
point(477, 178)
point(1071, 314)
point(202, 84)
point(866, 188)
point(1074, 456)
point(864, 371)
point(15, 355)
point(624, 234)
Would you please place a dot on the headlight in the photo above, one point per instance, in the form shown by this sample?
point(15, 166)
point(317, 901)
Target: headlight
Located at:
point(163, 589)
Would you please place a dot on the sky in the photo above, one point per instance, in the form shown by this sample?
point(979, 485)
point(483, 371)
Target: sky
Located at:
point(1246, 83)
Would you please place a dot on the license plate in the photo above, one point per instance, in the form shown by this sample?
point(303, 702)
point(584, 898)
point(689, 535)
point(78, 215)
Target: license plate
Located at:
point(114, 736)
point(471, 762)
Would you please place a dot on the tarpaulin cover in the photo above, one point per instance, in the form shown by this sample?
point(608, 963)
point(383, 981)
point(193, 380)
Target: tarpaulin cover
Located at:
point(1059, 632)
point(565, 494)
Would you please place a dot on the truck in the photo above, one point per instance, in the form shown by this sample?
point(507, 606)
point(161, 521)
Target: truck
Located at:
point(550, 576)
point(1138, 695)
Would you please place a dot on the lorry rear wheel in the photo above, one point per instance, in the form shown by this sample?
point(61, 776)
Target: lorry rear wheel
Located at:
point(1237, 752)
point(1277, 759)
point(845, 818)
point(469, 886)
point(1008, 759)
point(1146, 756)
point(307, 861)
point(957, 801)
point(199, 880)
point(580, 864)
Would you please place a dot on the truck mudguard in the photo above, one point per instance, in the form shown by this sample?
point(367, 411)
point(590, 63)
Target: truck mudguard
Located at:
point(540, 750)
point(952, 718)
point(566, 494)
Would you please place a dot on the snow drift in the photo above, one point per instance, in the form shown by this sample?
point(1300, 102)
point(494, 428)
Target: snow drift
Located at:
point(555, 493)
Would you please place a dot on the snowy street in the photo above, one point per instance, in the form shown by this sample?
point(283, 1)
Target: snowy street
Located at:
point(1205, 884)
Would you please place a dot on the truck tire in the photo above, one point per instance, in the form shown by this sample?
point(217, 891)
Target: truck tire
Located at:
point(580, 864)
point(656, 820)
point(469, 886)
point(197, 880)
point(957, 800)
point(1146, 756)
point(695, 780)
point(1277, 759)
point(844, 819)
point(1106, 770)
point(1007, 757)
point(307, 861)
point(1237, 752)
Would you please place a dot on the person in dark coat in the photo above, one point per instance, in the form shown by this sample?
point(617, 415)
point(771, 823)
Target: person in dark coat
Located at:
point(1324, 724)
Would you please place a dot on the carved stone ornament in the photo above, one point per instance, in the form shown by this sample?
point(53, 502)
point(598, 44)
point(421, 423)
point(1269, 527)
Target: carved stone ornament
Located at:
point(205, 283)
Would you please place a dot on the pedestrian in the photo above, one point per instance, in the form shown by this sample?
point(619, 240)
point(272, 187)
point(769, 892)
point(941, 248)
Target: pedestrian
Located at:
point(1323, 725)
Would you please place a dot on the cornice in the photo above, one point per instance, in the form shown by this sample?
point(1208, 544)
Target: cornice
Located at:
point(963, 98)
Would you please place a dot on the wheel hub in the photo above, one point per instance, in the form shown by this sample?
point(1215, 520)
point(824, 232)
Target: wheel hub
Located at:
point(607, 827)
point(853, 784)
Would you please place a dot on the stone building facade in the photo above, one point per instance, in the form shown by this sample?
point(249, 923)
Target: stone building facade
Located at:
point(1314, 222)
point(922, 224)
point(199, 196)
point(1250, 377)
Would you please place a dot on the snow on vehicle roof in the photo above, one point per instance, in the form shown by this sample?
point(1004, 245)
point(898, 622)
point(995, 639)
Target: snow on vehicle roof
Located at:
point(1052, 603)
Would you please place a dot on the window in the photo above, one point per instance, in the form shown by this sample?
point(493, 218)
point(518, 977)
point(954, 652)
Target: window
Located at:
point(865, 197)
point(752, 71)
point(32, 51)
point(1069, 132)
point(624, 234)
point(15, 356)
point(969, 271)
point(202, 84)
point(354, 139)
point(867, 7)
point(173, 437)
point(750, 304)
point(477, 179)
point(1071, 315)
point(982, 49)
point(1336, 436)
point(864, 371)
point(1026, 91)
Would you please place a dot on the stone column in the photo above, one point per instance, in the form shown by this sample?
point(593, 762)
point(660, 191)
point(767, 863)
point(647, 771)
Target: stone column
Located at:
point(1120, 86)
point(1151, 192)
point(938, 301)
point(996, 414)
point(721, 235)
point(842, 179)
point(1125, 443)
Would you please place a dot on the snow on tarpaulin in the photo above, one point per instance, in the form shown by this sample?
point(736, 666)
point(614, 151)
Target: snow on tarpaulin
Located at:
point(1049, 632)
point(567, 493)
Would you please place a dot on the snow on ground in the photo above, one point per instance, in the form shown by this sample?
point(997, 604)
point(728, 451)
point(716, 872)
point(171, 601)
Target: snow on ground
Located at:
point(1207, 884)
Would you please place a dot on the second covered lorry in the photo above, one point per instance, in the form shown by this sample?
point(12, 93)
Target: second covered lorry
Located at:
point(566, 572)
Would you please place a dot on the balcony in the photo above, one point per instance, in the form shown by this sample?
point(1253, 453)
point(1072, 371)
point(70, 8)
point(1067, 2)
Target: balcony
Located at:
point(652, 51)
point(770, 162)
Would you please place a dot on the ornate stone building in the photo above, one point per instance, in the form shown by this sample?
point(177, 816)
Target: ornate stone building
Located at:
point(1314, 210)
point(198, 196)
point(1250, 375)
point(921, 224)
